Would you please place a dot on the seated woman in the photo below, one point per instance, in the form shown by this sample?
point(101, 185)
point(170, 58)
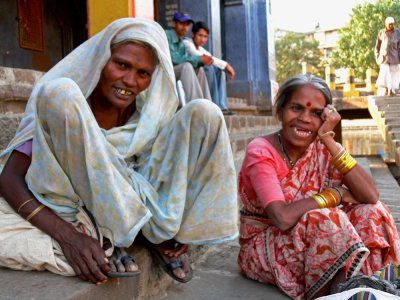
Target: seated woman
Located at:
point(104, 136)
point(214, 73)
point(292, 232)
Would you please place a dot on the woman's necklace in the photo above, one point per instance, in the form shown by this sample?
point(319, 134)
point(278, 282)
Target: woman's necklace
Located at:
point(284, 151)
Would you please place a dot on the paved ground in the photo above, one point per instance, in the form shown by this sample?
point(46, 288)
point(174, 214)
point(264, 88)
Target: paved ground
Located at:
point(217, 275)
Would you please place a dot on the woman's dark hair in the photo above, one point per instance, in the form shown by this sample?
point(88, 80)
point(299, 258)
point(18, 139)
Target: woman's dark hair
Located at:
point(200, 25)
point(298, 81)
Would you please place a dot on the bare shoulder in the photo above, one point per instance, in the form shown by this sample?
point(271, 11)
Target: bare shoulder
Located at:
point(273, 139)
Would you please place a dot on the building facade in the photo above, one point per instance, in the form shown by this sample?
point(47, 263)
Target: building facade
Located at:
point(36, 34)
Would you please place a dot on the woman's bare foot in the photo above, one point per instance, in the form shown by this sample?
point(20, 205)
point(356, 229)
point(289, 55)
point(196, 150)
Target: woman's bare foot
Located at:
point(121, 262)
point(174, 253)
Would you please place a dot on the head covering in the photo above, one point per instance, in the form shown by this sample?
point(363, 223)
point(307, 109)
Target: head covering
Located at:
point(156, 105)
point(182, 17)
point(389, 20)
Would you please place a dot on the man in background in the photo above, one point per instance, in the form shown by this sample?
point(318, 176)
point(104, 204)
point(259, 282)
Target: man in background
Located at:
point(215, 75)
point(387, 56)
point(187, 68)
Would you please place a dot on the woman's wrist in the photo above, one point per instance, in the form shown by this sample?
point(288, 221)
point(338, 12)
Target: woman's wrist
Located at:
point(62, 231)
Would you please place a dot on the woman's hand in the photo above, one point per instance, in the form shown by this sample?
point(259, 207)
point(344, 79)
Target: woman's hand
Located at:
point(85, 255)
point(347, 196)
point(330, 118)
point(82, 252)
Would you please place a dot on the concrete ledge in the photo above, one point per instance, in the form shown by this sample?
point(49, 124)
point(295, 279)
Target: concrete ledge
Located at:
point(244, 124)
point(34, 285)
point(15, 88)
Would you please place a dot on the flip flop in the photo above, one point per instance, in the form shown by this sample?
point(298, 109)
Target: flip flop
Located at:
point(169, 267)
point(124, 259)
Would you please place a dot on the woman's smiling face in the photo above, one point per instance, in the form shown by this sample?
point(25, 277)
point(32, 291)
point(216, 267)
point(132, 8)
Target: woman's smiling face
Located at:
point(301, 116)
point(127, 73)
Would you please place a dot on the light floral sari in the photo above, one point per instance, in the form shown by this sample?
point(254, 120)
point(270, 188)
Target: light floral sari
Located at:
point(168, 174)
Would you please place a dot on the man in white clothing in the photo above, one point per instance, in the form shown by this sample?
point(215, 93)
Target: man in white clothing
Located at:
point(214, 74)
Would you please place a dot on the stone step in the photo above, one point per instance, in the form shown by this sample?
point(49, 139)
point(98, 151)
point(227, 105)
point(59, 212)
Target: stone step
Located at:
point(247, 123)
point(389, 107)
point(389, 189)
point(393, 127)
point(241, 106)
point(391, 114)
point(392, 120)
point(395, 135)
point(385, 100)
point(237, 101)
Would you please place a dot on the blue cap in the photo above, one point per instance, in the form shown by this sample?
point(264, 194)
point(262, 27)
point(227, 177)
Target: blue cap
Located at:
point(182, 17)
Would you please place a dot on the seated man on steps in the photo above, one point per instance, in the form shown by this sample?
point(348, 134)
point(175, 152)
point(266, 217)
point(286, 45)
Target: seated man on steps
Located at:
point(187, 68)
point(215, 76)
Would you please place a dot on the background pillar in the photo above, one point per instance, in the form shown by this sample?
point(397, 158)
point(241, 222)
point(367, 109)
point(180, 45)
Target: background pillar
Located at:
point(249, 46)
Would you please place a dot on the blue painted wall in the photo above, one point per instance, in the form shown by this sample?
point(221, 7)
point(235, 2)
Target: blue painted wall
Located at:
point(247, 47)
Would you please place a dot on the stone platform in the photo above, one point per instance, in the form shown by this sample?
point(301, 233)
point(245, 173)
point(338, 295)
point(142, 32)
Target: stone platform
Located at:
point(386, 112)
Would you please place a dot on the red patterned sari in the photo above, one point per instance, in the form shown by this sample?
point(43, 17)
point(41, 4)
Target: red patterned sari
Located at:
point(301, 260)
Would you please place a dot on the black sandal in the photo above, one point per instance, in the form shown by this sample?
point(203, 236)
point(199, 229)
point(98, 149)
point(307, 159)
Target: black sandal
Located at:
point(169, 267)
point(124, 260)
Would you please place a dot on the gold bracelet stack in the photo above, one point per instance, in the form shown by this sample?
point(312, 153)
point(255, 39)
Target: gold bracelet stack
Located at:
point(343, 161)
point(32, 214)
point(326, 198)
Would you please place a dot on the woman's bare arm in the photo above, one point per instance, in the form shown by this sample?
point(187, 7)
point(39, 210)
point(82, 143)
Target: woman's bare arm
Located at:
point(359, 182)
point(83, 252)
point(285, 216)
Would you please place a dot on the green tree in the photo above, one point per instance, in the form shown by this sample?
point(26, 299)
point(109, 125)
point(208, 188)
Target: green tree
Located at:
point(356, 45)
point(294, 49)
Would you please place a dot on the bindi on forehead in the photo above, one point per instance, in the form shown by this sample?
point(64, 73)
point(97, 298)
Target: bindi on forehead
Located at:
point(308, 103)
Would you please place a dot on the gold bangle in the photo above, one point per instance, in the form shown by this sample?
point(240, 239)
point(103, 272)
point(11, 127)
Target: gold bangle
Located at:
point(339, 153)
point(319, 200)
point(23, 204)
point(348, 163)
point(326, 133)
point(349, 166)
point(327, 198)
point(32, 214)
point(340, 158)
point(339, 192)
point(334, 198)
point(326, 201)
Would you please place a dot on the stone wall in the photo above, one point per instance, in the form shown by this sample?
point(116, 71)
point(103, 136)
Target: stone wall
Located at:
point(362, 137)
point(15, 88)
